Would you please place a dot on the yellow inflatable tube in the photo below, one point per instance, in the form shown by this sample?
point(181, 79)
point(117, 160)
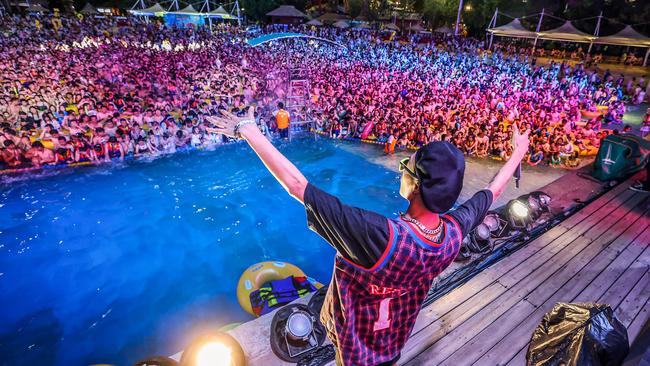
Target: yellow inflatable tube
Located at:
point(260, 273)
point(46, 143)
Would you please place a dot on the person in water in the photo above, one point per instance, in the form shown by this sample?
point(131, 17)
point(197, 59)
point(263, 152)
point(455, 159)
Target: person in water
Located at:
point(384, 267)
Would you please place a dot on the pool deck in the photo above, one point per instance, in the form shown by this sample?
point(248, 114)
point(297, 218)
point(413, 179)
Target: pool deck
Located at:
point(600, 254)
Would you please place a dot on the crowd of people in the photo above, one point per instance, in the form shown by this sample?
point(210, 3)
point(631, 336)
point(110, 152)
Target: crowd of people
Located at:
point(92, 90)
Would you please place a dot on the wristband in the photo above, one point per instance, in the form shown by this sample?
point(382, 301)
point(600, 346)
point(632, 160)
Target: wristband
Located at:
point(239, 125)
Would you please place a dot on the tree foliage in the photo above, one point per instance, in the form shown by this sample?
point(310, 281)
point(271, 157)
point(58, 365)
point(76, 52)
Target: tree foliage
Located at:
point(440, 12)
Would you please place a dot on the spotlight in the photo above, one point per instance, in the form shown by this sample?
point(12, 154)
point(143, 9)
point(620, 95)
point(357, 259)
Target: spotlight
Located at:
point(480, 239)
point(519, 209)
point(295, 332)
point(492, 221)
point(527, 208)
point(219, 349)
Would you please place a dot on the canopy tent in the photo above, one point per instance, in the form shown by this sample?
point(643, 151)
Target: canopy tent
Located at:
point(314, 22)
point(341, 24)
point(37, 8)
point(513, 29)
point(188, 10)
point(152, 10)
point(88, 9)
point(221, 13)
point(626, 37)
point(444, 30)
point(391, 26)
point(569, 33)
point(566, 32)
point(287, 11)
point(332, 17)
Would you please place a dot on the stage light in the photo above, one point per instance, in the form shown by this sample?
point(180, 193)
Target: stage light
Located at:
point(295, 332)
point(527, 208)
point(299, 325)
point(519, 209)
point(482, 232)
point(492, 221)
point(219, 349)
point(518, 213)
point(214, 353)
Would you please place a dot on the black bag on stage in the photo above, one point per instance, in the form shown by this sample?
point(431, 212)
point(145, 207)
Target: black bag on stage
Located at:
point(579, 334)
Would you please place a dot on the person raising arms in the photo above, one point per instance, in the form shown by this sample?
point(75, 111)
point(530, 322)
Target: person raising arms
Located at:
point(384, 267)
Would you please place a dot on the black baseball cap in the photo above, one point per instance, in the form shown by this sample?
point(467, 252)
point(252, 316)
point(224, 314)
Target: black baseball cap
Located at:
point(440, 168)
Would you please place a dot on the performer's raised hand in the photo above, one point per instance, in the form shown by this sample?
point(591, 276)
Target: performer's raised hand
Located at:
point(520, 142)
point(229, 124)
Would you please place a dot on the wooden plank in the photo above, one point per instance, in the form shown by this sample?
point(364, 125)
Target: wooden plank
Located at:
point(604, 279)
point(488, 336)
point(506, 348)
point(626, 282)
point(594, 206)
point(420, 341)
point(637, 324)
point(618, 235)
point(520, 358)
point(628, 309)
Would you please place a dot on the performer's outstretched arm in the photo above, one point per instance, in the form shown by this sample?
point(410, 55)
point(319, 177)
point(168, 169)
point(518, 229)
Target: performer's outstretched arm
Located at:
point(500, 181)
point(282, 169)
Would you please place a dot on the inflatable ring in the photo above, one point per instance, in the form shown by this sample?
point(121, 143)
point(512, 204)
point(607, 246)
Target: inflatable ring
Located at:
point(260, 273)
point(590, 114)
point(46, 143)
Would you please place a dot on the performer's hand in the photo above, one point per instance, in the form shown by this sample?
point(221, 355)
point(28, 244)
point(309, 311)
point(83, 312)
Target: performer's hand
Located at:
point(520, 142)
point(227, 122)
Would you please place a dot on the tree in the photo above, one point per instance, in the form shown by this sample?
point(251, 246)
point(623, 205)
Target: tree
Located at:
point(378, 8)
point(440, 12)
point(257, 9)
point(355, 7)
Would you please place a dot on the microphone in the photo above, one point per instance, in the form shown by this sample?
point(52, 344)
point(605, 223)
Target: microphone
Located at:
point(517, 175)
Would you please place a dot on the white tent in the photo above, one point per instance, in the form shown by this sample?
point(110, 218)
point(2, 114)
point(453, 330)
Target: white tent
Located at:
point(341, 24)
point(626, 37)
point(566, 32)
point(220, 12)
point(513, 29)
point(188, 10)
point(152, 10)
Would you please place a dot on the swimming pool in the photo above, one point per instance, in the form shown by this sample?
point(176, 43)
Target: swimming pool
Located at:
point(113, 263)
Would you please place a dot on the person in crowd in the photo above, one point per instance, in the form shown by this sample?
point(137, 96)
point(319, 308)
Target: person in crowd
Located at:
point(87, 84)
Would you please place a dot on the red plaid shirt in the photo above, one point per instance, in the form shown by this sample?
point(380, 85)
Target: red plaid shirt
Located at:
point(369, 313)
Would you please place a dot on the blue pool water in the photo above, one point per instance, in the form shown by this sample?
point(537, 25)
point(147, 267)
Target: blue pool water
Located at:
point(114, 263)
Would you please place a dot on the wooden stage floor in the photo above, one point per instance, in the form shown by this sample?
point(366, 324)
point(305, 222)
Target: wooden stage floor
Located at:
point(600, 254)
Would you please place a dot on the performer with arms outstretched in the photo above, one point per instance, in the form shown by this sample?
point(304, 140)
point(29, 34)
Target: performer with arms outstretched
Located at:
point(384, 267)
